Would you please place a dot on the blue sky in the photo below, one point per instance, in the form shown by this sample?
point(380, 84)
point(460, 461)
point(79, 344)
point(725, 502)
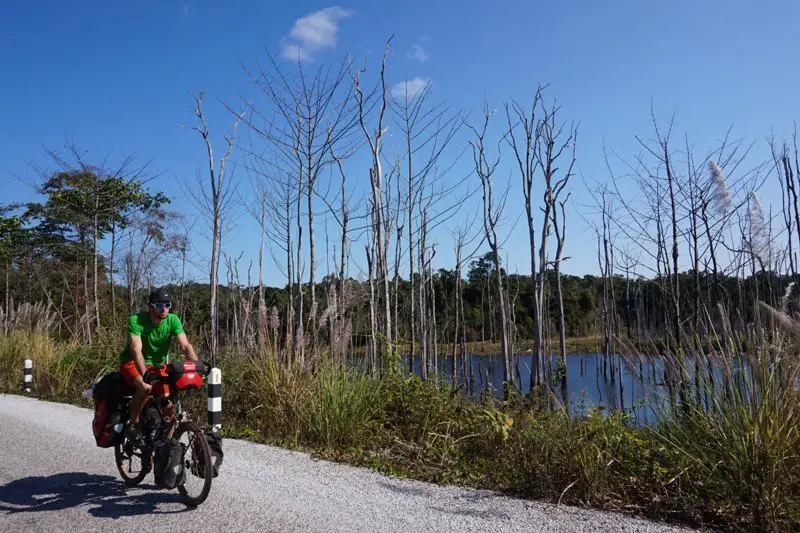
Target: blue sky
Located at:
point(115, 77)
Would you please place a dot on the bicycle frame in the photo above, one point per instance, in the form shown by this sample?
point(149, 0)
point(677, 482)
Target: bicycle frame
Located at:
point(167, 402)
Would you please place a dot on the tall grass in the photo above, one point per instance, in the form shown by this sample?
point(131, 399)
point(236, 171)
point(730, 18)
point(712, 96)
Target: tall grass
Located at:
point(61, 370)
point(741, 448)
point(344, 406)
point(329, 407)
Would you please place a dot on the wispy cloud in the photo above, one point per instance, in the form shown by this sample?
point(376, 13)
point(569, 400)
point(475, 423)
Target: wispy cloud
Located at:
point(418, 53)
point(410, 89)
point(185, 9)
point(313, 32)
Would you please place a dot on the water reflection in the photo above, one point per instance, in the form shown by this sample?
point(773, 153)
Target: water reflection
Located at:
point(642, 392)
point(589, 381)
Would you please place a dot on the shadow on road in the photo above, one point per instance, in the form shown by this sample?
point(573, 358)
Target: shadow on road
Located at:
point(105, 496)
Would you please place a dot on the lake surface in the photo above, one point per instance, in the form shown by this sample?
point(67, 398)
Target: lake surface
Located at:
point(588, 385)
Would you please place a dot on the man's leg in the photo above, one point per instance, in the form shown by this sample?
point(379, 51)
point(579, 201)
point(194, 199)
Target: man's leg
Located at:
point(132, 377)
point(138, 401)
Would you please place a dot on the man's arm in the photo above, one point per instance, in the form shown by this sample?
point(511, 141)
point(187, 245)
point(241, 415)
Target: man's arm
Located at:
point(138, 357)
point(186, 348)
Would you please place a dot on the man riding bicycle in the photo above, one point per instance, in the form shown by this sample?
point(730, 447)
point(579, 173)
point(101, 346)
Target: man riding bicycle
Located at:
point(149, 337)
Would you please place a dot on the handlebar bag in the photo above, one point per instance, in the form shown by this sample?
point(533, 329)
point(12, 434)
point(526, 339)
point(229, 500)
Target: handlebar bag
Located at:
point(187, 375)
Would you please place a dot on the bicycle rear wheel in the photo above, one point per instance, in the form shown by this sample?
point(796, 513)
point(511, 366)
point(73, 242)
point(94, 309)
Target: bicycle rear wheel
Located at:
point(196, 462)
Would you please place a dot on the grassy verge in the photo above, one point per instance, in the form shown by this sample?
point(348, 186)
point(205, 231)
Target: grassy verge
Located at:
point(733, 465)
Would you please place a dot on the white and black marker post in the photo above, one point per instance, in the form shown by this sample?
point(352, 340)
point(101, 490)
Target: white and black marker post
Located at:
point(27, 380)
point(215, 399)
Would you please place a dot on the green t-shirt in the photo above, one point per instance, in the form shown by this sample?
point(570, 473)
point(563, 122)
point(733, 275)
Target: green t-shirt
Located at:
point(155, 339)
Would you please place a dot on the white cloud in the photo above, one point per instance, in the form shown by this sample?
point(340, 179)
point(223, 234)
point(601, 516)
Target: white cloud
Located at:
point(294, 52)
point(419, 53)
point(312, 33)
point(410, 88)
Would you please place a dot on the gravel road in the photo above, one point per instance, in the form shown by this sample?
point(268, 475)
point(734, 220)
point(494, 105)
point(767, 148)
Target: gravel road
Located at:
point(53, 478)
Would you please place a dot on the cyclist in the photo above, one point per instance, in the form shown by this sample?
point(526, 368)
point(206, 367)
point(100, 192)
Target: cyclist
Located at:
point(149, 337)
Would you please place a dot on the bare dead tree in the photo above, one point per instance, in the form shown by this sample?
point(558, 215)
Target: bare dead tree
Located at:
point(433, 347)
point(373, 315)
point(551, 145)
point(787, 161)
point(523, 137)
point(339, 329)
point(538, 143)
point(258, 208)
point(148, 241)
point(492, 212)
point(427, 131)
point(314, 111)
point(560, 230)
point(374, 141)
point(462, 238)
point(213, 198)
point(398, 222)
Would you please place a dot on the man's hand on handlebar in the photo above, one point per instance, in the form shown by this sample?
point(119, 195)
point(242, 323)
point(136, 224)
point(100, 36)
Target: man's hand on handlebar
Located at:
point(151, 375)
point(144, 383)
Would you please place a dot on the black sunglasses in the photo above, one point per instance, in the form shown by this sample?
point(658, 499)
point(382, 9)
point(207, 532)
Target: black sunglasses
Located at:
point(161, 306)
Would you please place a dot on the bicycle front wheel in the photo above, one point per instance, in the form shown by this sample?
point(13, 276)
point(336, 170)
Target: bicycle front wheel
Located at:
point(133, 461)
point(196, 462)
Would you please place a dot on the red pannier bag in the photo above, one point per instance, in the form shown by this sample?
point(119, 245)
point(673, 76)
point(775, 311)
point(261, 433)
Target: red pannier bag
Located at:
point(187, 375)
point(108, 425)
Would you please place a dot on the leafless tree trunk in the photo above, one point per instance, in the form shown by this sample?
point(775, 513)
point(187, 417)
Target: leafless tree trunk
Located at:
point(7, 309)
point(95, 274)
point(424, 331)
point(560, 230)
point(184, 249)
point(339, 332)
point(258, 210)
point(86, 318)
point(111, 264)
point(313, 114)
point(524, 145)
point(375, 142)
point(215, 200)
point(461, 239)
point(492, 212)
point(676, 318)
point(298, 344)
point(787, 167)
point(433, 337)
point(538, 145)
point(277, 193)
point(262, 304)
point(397, 250)
point(373, 319)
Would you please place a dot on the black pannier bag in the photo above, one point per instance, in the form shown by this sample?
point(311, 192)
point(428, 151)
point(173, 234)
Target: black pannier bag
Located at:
point(168, 467)
point(214, 441)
